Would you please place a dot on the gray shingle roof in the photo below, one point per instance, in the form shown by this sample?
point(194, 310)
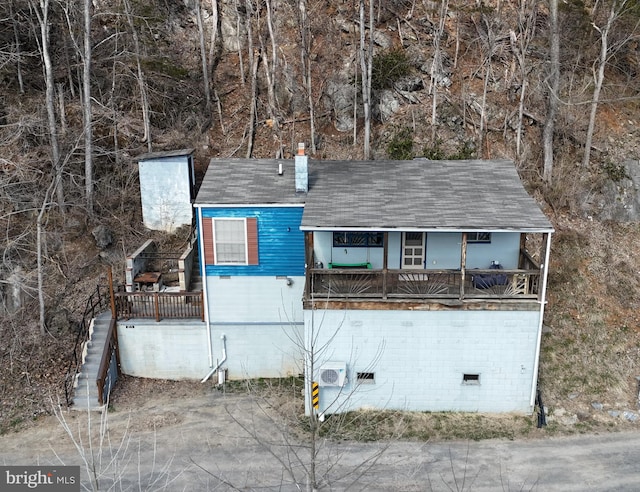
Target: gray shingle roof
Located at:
point(418, 194)
point(164, 153)
point(249, 182)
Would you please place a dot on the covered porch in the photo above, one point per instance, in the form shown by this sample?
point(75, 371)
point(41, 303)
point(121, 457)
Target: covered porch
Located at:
point(521, 279)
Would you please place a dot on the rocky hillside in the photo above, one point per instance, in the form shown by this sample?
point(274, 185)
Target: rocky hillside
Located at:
point(452, 80)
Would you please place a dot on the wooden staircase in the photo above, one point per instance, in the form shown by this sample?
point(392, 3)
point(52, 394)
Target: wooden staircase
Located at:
point(86, 389)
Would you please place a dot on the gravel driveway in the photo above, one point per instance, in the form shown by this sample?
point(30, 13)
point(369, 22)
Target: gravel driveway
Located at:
point(206, 440)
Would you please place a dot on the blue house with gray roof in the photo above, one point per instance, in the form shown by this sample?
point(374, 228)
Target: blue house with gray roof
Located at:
point(404, 285)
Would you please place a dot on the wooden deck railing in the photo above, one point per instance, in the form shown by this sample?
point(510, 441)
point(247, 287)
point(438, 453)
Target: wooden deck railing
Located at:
point(109, 351)
point(424, 284)
point(159, 305)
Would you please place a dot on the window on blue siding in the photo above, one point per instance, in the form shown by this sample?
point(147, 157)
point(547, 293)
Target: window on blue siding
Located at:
point(478, 237)
point(230, 244)
point(358, 239)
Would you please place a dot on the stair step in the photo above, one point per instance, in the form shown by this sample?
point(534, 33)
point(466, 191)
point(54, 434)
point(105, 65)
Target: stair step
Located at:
point(83, 405)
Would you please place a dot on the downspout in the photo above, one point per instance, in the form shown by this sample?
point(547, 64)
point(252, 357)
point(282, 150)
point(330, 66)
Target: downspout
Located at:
point(205, 296)
point(224, 358)
point(543, 300)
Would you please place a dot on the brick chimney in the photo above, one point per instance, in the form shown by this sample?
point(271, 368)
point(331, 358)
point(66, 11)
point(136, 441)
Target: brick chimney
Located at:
point(302, 170)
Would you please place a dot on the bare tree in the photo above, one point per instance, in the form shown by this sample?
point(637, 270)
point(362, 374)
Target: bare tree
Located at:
point(306, 453)
point(554, 86)
point(215, 43)
point(520, 45)
point(41, 10)
point(366, 69)
point(142, 86)
point(253, 60)
point(215, 53)
point(305, 58)
point(436, 67)
point(39, 254)
point(270, 65)
point(616, 10)
point(18, 50)
point(86, 110)
point(203, 56)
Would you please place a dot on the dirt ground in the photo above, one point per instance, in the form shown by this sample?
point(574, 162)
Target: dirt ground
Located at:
point(188, 436)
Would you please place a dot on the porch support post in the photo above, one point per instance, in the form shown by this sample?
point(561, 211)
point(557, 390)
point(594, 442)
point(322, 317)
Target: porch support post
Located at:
point(309, 265)
point(463, 264)
point(385, 266)
point(545, 248)
point(544, 270)
point(523, 248)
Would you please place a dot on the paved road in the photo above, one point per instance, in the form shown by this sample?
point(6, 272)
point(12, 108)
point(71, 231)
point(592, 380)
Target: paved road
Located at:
point(204, 444)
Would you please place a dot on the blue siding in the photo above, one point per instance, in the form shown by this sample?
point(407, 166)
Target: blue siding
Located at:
point(280, 241)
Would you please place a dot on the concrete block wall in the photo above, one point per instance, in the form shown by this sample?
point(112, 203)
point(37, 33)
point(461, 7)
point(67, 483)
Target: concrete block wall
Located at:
point(185, 268)
point(419, 359)
point(178, 349)
point(137, 262)
point(260, 350)
point(167, 350)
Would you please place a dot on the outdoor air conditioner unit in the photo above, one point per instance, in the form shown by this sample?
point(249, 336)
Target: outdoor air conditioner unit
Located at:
point(333, 374)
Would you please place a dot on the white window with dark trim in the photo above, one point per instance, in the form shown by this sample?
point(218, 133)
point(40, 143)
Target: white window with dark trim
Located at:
point(230, 241)
point(358, 239)
point(478, 237)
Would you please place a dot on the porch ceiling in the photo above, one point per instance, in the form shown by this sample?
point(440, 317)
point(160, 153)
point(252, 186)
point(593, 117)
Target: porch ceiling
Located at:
point(420, 194)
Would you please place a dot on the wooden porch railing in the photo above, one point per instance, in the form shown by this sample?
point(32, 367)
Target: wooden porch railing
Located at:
point(424, 284)
point(159, 305)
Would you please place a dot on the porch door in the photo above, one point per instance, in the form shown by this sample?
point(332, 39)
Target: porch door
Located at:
point(413, 250)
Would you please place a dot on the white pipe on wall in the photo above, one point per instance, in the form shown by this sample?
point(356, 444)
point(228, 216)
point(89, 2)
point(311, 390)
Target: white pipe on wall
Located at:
point(205, 296)
point(224, 358)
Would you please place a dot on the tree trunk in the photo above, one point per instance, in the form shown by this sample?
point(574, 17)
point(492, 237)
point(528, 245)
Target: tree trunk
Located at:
point(482, 147)
point(520, 46)
point(436, 68)
point(88, 124)
point(305, 52)
point(203, 57)
point(270, 70)
point(39, 255)
point(599, 79)
point(43, 19)
point(554, 85)
point(366, 65)
point(144, 100)
point(18, 49)
point(253, 67)
point(240, 58)
point(215, 48)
